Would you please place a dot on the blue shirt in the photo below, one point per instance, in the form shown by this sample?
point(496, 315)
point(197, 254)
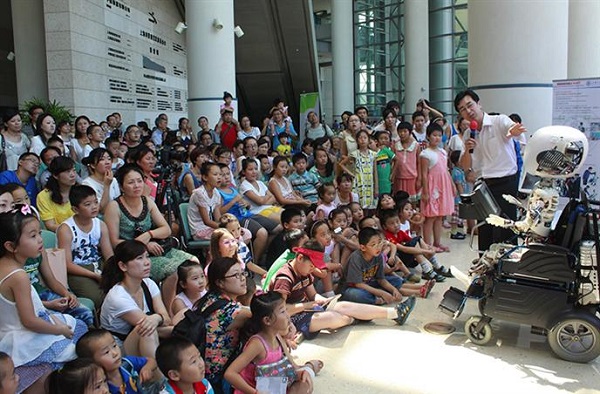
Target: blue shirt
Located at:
point(7, 177)
point(130, 379)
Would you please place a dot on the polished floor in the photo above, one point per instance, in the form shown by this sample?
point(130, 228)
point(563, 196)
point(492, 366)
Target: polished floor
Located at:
point(381, 357)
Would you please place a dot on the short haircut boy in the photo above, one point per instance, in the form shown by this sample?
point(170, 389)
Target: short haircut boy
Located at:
point(293, 237)
point(84, 345)
point(416, 114)
point(297, 157)
point(168, 354)
point(365, 235)
point(386, 215)
point(78, 193)
point(404, 126)
point(289, 213)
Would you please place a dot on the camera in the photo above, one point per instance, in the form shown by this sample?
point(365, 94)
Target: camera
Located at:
point(337, 231)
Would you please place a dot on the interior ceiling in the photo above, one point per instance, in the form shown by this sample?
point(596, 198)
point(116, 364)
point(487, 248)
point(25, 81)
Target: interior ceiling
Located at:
point(275, 58)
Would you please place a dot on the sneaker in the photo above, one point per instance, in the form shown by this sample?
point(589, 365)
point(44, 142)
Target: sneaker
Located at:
point(458, 235)
point(445, 272)
point(404, 309)
point(433, 275)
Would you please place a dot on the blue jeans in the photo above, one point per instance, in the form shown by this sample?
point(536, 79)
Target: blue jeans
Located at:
point(79, 312)
point(361, 296)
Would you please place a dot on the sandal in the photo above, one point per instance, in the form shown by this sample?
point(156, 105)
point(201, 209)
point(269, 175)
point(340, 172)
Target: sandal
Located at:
point(315, 365)
point(441, 248)
point(426, 288)
point(404, 309)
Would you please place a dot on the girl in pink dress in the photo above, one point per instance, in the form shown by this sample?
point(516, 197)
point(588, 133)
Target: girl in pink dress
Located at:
point(437, 194)
point(406, 170)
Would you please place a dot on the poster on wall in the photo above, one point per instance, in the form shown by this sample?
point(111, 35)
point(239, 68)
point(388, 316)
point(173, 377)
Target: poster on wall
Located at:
point(576, 103)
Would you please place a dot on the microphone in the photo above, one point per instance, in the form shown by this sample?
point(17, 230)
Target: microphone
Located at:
point(473, 129)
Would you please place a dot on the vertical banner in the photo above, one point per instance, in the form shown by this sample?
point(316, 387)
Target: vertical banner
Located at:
point(576, 103)
point(308, 102)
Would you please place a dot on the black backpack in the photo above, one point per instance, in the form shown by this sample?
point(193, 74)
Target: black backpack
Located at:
point(193, 325)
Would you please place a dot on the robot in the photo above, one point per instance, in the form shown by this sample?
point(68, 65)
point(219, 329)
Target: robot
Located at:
point(550, 280)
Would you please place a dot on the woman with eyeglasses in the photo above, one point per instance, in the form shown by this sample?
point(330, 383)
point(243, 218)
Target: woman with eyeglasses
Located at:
point(226, 282)
point(136, 216)
point(99, 164)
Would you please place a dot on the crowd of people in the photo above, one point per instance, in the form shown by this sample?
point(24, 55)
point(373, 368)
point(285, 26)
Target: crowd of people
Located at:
point(309, 230)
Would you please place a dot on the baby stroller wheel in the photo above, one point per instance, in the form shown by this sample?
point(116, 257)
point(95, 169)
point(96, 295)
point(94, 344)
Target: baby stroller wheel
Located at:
point(576, 339)
point(479, 337)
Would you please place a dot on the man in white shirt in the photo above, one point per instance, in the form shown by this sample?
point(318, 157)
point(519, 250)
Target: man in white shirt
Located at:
point(493, 152)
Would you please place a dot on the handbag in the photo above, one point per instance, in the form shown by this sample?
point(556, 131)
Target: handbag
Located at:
point(3, 162)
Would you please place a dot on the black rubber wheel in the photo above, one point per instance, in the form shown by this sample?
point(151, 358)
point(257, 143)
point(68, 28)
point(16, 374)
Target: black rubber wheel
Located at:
point(481, 338)
point(576, 339)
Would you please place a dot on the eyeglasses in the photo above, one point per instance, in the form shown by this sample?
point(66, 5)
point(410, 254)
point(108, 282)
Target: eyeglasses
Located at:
point(237, 275)
point(376, 244)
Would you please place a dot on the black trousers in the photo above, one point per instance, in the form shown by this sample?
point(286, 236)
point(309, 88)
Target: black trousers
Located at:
point(489, 234)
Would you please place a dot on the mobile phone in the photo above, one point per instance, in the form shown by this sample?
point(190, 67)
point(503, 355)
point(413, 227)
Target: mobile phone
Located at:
point(338, 230)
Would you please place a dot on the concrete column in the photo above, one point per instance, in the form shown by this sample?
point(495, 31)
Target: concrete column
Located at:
point(30, 49)
point(516, 49)
point(441, 49)
point(584, 37)
point(416, 49)
point(342, 52)
point(210, 57)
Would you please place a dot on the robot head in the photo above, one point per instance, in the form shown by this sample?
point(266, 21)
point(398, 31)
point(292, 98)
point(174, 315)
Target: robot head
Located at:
point(556, 152)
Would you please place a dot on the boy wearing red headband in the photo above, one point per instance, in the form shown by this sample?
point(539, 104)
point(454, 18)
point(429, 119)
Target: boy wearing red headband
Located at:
point(309, 311)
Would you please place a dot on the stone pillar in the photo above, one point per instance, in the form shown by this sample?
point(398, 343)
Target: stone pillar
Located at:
point(342, 51)
point(30, 49)
point(210, 57)
point(516, 49)
point(416, 50)
point(584, 37)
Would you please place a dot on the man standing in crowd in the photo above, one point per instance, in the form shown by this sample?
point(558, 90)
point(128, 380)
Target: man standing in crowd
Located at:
point(492, 154)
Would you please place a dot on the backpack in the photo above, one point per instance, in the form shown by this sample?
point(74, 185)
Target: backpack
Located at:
point(193, 325)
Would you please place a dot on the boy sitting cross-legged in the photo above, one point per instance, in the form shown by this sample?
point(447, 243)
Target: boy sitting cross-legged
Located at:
point(365, 281)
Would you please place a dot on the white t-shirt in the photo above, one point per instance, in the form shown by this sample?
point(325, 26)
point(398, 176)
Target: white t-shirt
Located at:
point(200, 198)
point(246, 186)
point(118, 302)
point(420, 137)
point(99, 188)
point(495, 155)
point(456, 143)
point(88, 149)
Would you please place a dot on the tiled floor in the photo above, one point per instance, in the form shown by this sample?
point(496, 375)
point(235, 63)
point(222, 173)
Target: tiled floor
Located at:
point(381, 357)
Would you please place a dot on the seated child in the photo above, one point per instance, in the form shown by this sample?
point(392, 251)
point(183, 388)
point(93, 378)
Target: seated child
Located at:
point(389, 252)
point(326, 201)
point(232, 224)
point(292, 239)
point(127, 374)
point(181, 363)
point(365, 280)
point(343, 235)
point(291, 218)
point(191, 286)
point(357, 214)
point(86, 242)
point(265, 354)
point(78, 376)
point(284, 148)
point(413, 251)
point(9, 380)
